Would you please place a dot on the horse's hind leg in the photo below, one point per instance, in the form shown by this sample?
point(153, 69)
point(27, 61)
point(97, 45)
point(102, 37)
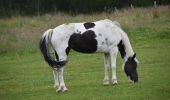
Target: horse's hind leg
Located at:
point(106, 68)
point(62, 86)
point(56, 80)
point(55, 73)
point(59, 73)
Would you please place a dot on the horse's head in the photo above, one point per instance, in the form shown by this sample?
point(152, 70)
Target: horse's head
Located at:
point(130, 68)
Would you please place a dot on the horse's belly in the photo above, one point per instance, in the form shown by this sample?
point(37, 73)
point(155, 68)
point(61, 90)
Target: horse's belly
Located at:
point(105, 44)
point(102, 48)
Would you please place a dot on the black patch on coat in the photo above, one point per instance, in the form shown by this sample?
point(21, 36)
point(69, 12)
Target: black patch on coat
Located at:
point(121, 47)
point(56, 55)
point(68, 50)
point(131, 68)
point(89, 25)
point(85, 42)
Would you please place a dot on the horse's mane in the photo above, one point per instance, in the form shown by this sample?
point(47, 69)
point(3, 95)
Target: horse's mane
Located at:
point(126, 42)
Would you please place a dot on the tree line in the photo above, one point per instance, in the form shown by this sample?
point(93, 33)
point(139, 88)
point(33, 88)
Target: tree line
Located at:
point(39, 7)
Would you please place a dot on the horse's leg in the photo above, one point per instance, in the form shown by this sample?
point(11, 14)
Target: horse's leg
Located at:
point(61, 80)
point(55, 73)
point(56, 80)
point(106, 68)
point(113, 56)
point(62, 56)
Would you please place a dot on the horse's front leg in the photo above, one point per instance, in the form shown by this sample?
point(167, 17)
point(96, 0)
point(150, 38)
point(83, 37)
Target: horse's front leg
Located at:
point(106, 68)
point(113, 56)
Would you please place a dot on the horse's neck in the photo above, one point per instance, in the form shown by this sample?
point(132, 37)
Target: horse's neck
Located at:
point(127, 46)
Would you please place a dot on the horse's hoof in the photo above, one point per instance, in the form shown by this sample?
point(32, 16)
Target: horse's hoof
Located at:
point(65, 90)
point(106, 82)
point(58, 90)
point(62, 89)
point(114, 82)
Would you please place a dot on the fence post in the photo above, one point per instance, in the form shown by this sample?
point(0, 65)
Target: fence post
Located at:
point(38, 8)
point(155, 5)
point(131, 6)
point(115, 9)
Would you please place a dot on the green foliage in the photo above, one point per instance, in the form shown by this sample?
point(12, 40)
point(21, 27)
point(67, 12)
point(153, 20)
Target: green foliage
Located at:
point(40, 7)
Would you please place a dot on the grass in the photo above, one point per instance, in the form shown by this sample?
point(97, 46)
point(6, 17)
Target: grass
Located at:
point(25, 75)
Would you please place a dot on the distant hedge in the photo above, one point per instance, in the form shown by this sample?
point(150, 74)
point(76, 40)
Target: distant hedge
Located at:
point(39, 7)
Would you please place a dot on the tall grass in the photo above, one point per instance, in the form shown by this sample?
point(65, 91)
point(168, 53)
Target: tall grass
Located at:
point(21, 34)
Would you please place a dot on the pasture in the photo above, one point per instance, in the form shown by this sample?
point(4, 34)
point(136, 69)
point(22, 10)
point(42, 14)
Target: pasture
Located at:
point(25, 76)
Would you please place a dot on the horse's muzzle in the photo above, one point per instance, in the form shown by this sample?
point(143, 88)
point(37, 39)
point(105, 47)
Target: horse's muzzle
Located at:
point(133, 80)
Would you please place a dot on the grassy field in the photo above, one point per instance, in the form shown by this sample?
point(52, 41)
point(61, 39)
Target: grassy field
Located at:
point(25, 76)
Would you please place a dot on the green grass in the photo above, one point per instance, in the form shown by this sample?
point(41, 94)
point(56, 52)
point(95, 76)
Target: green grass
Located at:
point(25, 76)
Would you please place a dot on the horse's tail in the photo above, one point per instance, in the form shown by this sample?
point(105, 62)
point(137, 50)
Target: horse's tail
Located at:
point(44, 44)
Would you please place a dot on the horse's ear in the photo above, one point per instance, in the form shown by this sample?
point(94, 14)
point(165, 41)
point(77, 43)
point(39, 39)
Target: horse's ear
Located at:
point(133, 57)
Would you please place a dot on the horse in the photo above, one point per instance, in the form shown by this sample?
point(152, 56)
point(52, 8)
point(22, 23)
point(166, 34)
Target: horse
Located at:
point(104, 36)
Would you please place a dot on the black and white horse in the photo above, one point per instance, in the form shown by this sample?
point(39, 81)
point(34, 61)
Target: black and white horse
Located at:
point(104, 36)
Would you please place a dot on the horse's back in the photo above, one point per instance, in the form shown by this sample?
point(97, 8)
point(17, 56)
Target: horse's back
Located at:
point(87, 37)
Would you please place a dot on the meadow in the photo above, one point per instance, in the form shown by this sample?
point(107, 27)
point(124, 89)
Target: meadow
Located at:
point(25, 76)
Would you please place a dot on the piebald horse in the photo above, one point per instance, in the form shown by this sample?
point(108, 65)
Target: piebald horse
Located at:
point(104, 36)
